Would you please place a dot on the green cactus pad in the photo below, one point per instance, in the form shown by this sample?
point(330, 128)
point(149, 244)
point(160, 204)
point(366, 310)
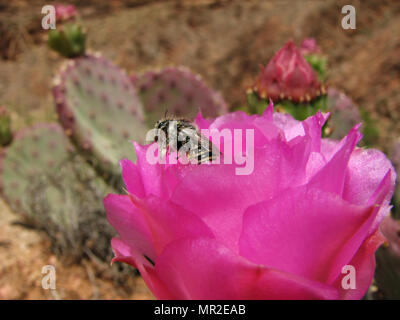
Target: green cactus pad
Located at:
point(35, 151)
point(344, 114)
point(387, 273)
point(99, 109)
point(395, 157)
point(178, 91)
point(56, 190)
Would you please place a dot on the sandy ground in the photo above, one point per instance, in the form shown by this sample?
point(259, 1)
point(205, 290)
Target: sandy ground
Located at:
point(23, 254)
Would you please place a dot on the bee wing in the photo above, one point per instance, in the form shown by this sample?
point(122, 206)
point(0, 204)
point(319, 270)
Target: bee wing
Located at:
point(205, 150)
point(209, 146)
point(190, 137)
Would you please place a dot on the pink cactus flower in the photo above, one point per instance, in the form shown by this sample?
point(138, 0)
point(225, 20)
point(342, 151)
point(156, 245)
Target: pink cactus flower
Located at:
point(65, 12)
point(288, 76)
point(309, 46)
point(310, 207)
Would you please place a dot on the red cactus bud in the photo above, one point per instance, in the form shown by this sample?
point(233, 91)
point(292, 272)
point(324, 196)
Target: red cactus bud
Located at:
point(288, 75)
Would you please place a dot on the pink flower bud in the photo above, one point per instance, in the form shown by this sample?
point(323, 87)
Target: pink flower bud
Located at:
point(309, 46)
point(65, 12)
point(288, 76)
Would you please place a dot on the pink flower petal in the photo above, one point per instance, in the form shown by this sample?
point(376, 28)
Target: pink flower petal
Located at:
point(132, 178)
point(289, 126)
point(364, 174)
point(301, 231)
point(269, 111)
point(124, 253)
point(329, 147)
point(369, 227)
point(331, 177)
point(151, 173)
point(238, 120)
point(313, 127)
point(156, 179)
point(168, 222)
point(220, 197)
point(217, 273)
point(129, 223)
point(364, 265)
point(201, 122)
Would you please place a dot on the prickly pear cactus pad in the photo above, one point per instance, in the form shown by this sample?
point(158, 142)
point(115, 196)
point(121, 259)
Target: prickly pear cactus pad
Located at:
point(34, 152)
point(387, 274)
point(344, 113)
point(99, 109)
point(56, 190)
point(395, 157)
point(67, 205)
point(179, 91)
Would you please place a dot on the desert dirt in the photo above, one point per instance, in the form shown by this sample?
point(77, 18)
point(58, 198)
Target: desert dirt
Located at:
point(23, 254)
point(225, 42)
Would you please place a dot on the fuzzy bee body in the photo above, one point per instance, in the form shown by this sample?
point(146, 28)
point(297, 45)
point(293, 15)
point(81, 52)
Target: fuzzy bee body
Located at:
point(182, 135)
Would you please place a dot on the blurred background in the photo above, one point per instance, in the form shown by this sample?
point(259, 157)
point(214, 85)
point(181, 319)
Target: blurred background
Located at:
point(223, 41)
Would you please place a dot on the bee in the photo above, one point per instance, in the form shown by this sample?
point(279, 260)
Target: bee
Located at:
point(182, 135)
